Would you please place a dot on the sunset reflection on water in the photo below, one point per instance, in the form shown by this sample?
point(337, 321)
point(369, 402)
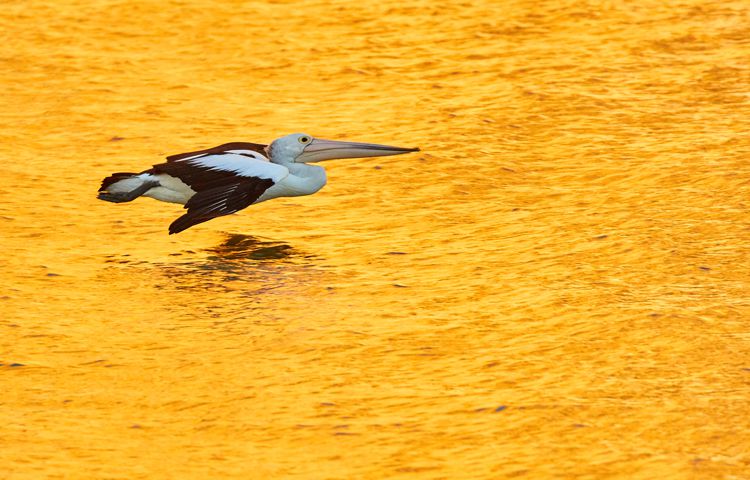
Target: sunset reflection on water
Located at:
point(556, 286)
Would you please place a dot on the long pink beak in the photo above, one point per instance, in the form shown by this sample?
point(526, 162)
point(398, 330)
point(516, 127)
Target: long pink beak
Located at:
point(320, 149)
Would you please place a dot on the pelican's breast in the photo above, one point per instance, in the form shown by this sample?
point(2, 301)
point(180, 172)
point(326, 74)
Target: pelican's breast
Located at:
point(301, 181)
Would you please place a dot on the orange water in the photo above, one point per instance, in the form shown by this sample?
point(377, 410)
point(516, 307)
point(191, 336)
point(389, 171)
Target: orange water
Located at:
point(572, 243)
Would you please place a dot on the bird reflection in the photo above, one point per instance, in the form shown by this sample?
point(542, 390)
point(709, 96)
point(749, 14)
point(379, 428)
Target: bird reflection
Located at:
point(237, 283)
point(246, 247)
point(241, 263)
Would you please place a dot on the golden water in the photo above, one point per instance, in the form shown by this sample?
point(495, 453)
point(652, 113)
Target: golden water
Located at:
point(572, 243)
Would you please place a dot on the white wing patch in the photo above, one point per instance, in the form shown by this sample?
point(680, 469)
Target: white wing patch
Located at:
point(251, 153)
point(245, 164)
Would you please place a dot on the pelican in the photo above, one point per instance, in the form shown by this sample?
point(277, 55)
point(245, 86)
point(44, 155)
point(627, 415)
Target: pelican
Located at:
point(223, 180)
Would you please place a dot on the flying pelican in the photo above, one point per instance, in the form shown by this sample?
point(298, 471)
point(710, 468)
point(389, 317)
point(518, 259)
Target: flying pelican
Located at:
point(225, 179)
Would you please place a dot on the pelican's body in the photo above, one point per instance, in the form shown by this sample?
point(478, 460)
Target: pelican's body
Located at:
point(225, 179)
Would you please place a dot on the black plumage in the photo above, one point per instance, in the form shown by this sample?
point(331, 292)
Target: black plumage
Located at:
point(221, 200)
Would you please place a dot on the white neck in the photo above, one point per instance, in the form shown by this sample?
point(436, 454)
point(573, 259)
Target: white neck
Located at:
point(303, 179)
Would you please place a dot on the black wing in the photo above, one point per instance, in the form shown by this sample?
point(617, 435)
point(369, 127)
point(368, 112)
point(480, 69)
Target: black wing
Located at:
point(221, 200)
point(255, 147)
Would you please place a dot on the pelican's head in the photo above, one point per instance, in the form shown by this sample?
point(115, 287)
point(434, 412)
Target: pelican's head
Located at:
point(304, 148)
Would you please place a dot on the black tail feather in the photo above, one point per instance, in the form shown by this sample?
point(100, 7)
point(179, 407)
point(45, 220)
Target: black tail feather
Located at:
point(120, 196)
point(115, 177)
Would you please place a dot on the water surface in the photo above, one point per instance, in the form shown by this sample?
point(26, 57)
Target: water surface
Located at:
point(556, 286)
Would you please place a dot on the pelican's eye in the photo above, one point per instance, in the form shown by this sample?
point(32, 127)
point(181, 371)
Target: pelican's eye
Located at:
point(304, 140)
